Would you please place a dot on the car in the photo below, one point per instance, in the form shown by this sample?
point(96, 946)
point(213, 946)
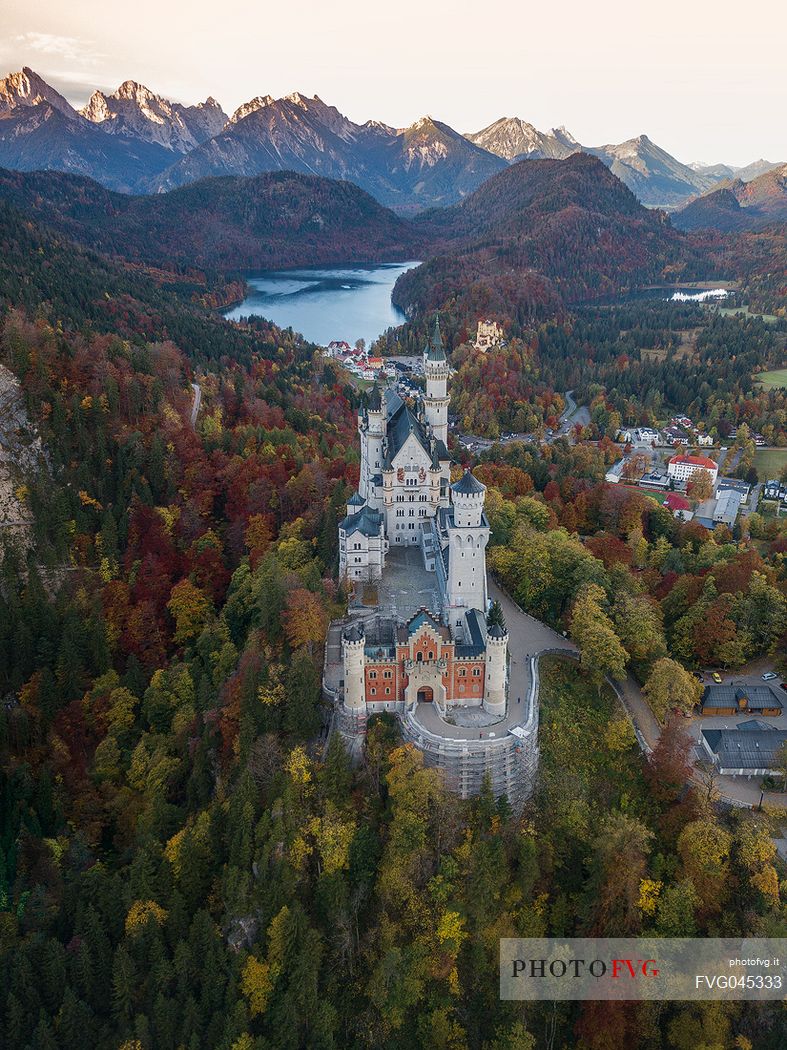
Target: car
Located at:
point(699, 676)
point(716, 677)
point(769, 676)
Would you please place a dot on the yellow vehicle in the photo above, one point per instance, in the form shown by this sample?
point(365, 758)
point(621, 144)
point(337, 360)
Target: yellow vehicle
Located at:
point(716, 677)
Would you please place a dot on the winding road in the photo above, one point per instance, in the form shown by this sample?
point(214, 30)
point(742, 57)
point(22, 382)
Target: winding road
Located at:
point(197, 402)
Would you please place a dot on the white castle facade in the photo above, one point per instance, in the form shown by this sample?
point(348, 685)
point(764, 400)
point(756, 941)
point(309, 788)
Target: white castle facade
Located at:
point(405, 499)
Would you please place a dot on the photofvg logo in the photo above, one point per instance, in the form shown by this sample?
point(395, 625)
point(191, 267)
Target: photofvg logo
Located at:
point(574, 969)
point(643, 968)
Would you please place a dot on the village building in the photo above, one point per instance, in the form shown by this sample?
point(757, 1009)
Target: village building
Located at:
point(750, 749)
point(740, 699)
point(682, 468)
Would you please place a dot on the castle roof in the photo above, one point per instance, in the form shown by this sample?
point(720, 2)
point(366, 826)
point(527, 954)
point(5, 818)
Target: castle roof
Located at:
point(434, 345)
point(468, 484)
point(422, 618)
point(475, 644)
point(366, 521)
point(401, 424)
point(356, 500)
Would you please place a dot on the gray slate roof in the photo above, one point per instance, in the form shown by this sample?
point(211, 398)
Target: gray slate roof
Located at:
point(758, 696)
point(468, 484)
point(434, 346)
point(401, 424)
point(366, 521)
point(745, 749)
point(476, 629)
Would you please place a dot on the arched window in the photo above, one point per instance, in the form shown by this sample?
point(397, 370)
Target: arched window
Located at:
point(431, 655)
point(419, 657)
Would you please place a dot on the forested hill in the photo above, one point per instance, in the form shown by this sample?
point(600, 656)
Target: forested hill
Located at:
point(47, 274)
point(226, 224)
point(539, 233)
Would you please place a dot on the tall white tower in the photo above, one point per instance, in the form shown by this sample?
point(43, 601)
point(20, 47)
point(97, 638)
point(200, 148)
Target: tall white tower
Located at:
point(468, 535)
point(353, 642)
point(495, 683)
point(437, 372)
point(371, 427)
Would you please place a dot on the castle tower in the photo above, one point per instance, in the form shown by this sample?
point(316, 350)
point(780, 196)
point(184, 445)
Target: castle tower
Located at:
point(371, 427)
point(437, 372)
point(495, 682)
point(468, 535)
point(353, 642)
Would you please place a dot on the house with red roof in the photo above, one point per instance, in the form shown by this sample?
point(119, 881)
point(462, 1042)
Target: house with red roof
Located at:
point(683, 468)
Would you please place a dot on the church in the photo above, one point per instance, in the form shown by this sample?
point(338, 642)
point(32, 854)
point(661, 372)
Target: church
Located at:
point(407, 517)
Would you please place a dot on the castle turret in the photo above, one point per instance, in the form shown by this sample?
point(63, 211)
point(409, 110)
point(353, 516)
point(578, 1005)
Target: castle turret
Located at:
point(468, 535)
point(353, 642)
point(354, 503)
point(495, 680)
point(437, 373)
point(371, 426)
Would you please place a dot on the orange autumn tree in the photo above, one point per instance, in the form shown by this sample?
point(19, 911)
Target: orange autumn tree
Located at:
point(258, 537)
point(305, 619)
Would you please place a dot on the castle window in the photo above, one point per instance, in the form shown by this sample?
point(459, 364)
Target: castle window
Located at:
point(462, 672)
point(431, 655)
point(476, 671)
point(412, 511)
point(387, 674)
point(373, 691)
point(419, 657)
point(372, 674)
point(387, 692)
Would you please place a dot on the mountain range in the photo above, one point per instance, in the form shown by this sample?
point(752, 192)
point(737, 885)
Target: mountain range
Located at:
point(533, 238)
point(136, 141)
point(736, 205)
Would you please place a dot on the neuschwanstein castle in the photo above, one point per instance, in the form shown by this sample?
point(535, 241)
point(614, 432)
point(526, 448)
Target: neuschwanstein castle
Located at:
point(406, 502)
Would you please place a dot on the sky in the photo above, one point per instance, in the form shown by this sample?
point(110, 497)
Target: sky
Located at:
point(705, 79)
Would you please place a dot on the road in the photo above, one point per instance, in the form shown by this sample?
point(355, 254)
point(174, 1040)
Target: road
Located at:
point(571, 415)
point(197, 402)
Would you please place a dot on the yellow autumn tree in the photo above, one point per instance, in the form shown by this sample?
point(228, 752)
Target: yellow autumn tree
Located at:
point(257, 985)
point(189, 607)
point(141, 912)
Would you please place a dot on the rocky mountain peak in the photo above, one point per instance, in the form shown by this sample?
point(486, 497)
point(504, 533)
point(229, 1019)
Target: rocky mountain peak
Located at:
point(254, 104)
point(27, 88)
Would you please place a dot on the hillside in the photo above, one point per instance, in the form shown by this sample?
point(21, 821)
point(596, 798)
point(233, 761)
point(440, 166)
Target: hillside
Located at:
point(228, 224)
point(541, 232)
point(738, 205)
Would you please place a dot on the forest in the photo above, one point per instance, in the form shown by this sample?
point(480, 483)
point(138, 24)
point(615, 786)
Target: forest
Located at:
point(182, 863)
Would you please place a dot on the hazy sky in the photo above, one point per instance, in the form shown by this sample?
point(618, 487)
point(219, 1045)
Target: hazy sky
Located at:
point(705, 79)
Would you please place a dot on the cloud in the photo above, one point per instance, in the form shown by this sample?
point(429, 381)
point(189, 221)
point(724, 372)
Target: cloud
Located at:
point(66, 47)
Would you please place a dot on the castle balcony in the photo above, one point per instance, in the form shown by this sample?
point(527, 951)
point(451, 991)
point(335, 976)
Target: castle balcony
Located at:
point(439, 664)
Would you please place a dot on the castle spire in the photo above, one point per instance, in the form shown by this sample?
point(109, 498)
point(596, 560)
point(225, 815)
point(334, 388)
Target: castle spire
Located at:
point(434, 346)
